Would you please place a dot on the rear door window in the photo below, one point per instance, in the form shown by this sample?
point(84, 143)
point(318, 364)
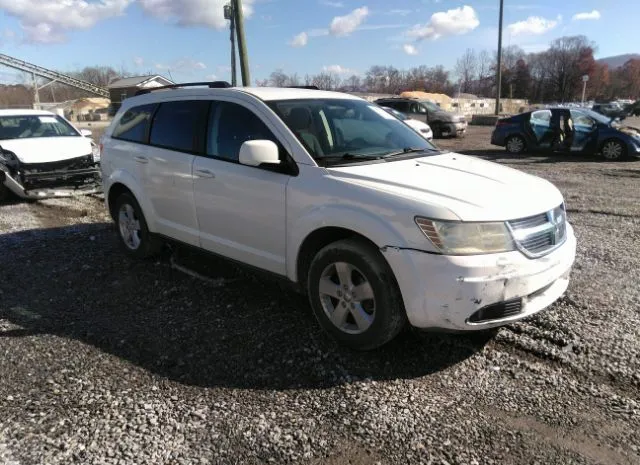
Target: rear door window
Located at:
point(180, 125)
point(540, 123)
point(134, 124)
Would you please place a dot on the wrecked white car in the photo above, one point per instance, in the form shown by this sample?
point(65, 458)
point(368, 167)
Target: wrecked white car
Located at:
point(42, 155)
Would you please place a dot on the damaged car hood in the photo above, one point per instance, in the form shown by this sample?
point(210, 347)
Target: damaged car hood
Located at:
point(47, 149)
point(470, 188)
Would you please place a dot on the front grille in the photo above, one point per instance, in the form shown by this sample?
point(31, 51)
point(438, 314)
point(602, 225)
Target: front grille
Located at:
point(497, 311)
point(540, 234)
point(77, 163)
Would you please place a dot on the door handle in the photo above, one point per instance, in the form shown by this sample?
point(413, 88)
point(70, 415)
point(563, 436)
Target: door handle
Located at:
point(205, 173)
point(141, 159)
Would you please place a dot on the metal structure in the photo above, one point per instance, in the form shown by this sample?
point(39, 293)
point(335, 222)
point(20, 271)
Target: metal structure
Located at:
point(499, 68)
point(585, 79)
point(53, 76)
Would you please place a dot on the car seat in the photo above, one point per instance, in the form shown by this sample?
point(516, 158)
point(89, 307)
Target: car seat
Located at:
point(300, 121)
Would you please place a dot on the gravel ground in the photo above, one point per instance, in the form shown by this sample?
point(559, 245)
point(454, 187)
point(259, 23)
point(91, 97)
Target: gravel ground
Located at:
point(110, 361)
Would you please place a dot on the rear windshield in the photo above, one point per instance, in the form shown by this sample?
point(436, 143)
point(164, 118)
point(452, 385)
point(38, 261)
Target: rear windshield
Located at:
point(35, 126)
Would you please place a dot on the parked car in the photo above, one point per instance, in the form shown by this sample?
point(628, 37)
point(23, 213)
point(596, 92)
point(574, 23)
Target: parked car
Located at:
point(43, 155)
point(330, 192)
point(612, 110)
point(423, 128)
point(443, 123)
point(633, 109)
point(566, 131)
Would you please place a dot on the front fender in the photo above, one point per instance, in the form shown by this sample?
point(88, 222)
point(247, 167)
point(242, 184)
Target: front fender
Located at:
point(126, 179)
point(360, 221)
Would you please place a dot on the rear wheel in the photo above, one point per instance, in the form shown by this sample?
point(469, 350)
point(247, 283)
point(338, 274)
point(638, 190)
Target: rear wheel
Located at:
point(515, 144)
point(133, 232)
point(614, 150)
point(354, 295)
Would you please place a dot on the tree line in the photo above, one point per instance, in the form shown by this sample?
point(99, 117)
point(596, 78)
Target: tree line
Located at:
point(554, 74)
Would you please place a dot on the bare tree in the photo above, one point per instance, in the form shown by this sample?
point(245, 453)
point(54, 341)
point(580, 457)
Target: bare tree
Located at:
point(278, 78)
point(465, 69)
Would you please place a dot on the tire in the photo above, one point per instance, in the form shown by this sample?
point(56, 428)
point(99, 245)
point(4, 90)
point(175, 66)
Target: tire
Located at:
point(515, 145)
point(614, 150)
point(437, 133)
point(363, 322)
point(134, 235)
point(4, 193)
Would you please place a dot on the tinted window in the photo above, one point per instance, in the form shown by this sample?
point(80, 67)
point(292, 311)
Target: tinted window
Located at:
point(134, 124)
point(232, 125)
point(417, 108)
point(177, 125)
point(541, 118)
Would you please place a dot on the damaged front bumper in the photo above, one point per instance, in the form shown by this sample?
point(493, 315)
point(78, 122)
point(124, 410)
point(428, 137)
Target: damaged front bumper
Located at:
point(76, 176)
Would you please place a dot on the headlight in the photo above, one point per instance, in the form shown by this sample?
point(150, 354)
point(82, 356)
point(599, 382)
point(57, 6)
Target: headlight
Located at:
point(95, 152)
point(460, 238)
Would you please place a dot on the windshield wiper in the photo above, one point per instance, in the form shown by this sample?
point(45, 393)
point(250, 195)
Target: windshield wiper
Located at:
point(348, 156)
point(408, 150)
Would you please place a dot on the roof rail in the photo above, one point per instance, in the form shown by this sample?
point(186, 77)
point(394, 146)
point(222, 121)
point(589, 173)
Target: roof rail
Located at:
point(303, 87)
point(210, 85)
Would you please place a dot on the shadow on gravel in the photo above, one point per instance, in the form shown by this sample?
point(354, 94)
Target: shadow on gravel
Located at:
point(236, 330)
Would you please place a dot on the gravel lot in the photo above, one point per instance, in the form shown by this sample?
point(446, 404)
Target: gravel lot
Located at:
point(111, 361)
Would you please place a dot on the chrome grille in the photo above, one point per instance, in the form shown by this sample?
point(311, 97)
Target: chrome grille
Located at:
point(540, 234)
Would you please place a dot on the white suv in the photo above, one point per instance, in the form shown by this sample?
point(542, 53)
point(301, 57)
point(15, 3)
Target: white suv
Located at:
point(333, 193)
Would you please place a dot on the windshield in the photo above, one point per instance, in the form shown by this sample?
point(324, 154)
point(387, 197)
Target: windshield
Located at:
point(34, 126)
point(396, 113)
point(348, 129)
point(597, 116)
point(430, 105)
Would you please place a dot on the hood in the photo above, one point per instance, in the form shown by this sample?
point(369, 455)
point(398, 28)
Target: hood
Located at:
point(47, 149)
point(443, 115)
point(470, 188)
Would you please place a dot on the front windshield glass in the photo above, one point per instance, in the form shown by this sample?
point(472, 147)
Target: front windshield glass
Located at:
point(597, 116)
point(430, 105)
point(348, 129)
point(34, 126)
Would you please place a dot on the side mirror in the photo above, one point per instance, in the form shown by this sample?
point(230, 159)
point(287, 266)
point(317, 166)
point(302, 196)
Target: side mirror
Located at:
point(258, 152)
point(85, 132)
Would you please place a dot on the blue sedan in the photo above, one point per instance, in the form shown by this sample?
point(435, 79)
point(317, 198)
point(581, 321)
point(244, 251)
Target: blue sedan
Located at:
point(565, 130)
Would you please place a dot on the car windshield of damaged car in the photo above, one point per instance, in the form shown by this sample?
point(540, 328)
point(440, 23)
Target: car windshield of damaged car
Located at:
point(34, 126)
point(338, 131)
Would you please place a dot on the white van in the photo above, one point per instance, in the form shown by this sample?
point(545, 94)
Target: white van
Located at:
point(326, 190)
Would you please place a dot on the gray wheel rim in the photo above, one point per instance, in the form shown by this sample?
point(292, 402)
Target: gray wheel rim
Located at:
point(129, 226)
point(612, 150)
point(515, 145)
point(347, 298)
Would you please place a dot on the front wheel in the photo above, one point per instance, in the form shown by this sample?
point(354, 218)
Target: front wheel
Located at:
point(614, 150)
point(133, 232)
point(515, 145)
point(354, 295)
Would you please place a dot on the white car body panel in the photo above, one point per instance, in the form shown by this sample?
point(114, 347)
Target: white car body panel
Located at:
point(423, 128)
point(262, 218)
point(48, 149)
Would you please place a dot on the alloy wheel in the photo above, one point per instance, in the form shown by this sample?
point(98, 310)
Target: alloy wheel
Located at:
point(129, 226)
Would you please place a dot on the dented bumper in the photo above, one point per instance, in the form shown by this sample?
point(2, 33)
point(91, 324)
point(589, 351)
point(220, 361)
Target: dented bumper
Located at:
point(466, 293)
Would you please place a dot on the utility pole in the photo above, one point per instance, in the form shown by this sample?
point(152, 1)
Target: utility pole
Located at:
point(36, 92)
point(585, 78)
point(499, 70)
point(229, 14)
point(242, 43)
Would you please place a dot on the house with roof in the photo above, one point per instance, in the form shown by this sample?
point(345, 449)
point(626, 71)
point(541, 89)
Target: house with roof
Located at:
point(121, 89)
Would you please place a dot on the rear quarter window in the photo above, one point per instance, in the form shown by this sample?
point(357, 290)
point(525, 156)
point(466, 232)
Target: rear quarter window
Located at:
point(133, 126)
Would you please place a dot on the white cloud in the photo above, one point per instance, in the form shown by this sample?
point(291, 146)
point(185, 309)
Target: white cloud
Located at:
point(345, 25)
point(49, 21)
point(594, 14)
point(211, 77)
point(410, 49)
point(445, 23)
point(300, 40)
point(182, 65)
point(138, 61)
point(332, 4)
point(533, 25)
point(337, 69)
point(207, 13)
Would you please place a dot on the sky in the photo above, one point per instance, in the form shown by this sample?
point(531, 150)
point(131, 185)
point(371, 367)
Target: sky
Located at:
point(188, 40)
